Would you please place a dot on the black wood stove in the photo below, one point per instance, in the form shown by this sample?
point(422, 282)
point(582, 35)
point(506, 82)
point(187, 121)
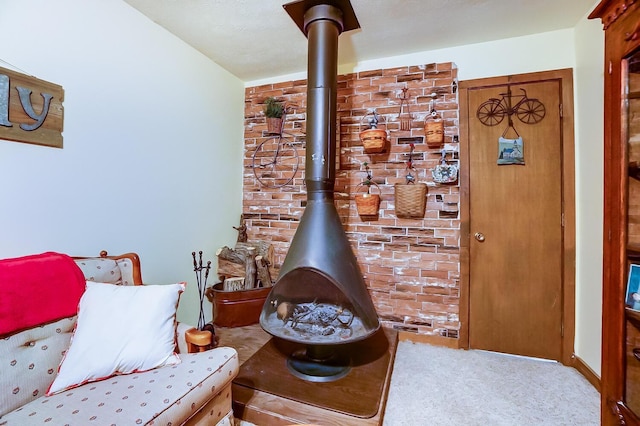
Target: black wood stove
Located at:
point(320, 299)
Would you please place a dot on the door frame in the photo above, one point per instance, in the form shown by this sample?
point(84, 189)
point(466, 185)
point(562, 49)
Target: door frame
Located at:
point(565, 76)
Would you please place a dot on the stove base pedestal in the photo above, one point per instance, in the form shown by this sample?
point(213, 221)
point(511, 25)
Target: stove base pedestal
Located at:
point(306, 367)
point(266, 392)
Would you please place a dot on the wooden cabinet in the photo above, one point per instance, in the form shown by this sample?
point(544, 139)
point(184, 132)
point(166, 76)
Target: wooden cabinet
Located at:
point(620, 381)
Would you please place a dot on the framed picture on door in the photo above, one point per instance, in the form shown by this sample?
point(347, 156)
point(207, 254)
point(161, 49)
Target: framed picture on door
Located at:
point(632, 299)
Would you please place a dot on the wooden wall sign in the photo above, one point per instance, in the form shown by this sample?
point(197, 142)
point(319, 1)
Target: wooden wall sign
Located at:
point(30, 109)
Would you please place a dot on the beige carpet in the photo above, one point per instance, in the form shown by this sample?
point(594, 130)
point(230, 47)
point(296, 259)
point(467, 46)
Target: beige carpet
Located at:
point(434, 386)
point(439, 386)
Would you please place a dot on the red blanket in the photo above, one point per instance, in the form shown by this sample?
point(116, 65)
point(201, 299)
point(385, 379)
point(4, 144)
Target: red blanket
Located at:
point(38, 289)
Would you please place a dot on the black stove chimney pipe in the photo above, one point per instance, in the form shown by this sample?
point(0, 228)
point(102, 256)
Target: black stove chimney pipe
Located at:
point(323, 24)
point(322, 21)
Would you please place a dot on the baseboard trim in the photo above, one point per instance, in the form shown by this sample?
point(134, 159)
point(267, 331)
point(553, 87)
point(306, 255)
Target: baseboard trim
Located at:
point(586, 371)
point(447, 342)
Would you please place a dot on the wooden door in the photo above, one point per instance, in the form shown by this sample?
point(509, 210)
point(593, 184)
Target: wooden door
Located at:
point(516, 220)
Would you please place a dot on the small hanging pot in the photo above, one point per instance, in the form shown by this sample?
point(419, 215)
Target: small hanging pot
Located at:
point(274, 125)
point(367, 203)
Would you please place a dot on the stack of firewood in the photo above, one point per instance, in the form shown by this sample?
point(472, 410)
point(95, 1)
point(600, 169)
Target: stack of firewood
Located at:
point(246, 266)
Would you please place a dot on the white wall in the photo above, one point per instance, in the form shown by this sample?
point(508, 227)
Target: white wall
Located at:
point(589, 89)
point(582, 49)
point(152, 142)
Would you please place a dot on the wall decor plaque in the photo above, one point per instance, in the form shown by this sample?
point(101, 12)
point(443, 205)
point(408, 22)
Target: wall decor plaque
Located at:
point(30, 109)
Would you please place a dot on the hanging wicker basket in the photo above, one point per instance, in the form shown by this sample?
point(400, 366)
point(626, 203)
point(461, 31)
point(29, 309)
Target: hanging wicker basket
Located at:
point(411, 199)
point(368, 204)
point(434, 132)
point(373, 140)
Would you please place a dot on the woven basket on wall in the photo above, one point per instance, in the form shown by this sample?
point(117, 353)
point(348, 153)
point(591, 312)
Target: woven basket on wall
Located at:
point(373, 140)
point(411, 199)
point(368, 203)
point(434, 133)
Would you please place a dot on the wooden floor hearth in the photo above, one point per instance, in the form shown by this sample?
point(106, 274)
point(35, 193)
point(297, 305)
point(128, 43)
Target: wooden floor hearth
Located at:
point(267, 408)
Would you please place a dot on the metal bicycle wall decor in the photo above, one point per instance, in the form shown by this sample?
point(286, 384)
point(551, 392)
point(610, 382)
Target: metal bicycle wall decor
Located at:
point(528, 110)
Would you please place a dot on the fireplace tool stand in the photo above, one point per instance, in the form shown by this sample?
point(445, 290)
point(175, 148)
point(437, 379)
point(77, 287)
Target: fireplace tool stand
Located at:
point(202, 284)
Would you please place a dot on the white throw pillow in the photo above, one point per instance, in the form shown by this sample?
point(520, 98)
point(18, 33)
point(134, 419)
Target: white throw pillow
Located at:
point(120, 330)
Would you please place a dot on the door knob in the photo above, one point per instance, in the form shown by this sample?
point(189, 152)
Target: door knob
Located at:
point(479, 236)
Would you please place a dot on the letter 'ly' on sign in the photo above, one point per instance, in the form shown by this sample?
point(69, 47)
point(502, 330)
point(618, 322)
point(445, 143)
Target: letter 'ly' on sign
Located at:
point(30, 109)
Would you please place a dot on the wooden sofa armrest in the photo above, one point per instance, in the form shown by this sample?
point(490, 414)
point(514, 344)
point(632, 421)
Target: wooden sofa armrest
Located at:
point(133, 257)
point(200, 340)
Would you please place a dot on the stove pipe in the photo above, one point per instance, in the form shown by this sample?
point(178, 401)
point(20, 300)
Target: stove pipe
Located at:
point(320, 269)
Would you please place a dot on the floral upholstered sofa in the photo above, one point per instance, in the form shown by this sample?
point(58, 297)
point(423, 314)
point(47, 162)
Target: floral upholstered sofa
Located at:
point(83, 343)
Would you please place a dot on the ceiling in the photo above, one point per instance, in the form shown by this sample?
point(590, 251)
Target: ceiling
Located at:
point(256, 39)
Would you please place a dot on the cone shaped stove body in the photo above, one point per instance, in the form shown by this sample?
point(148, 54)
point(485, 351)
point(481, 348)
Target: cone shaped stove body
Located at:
point(320, 298)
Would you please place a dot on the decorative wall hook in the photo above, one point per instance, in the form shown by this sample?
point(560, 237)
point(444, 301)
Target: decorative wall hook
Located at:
point(409, 177)
point(432, 109)
point(373, 121)
point(405, 119)
point(369, 175)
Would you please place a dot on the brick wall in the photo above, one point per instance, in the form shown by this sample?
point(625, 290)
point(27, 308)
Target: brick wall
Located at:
point(411, 266)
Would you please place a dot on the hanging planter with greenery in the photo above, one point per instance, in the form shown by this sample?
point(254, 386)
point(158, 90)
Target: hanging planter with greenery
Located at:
point(273, 110)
